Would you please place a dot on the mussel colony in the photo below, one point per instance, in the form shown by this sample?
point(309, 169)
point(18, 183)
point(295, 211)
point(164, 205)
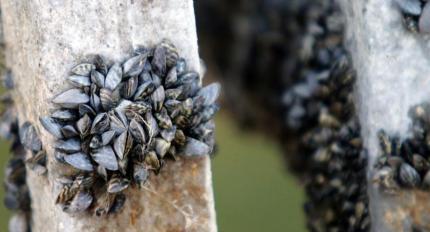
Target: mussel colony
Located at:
point(120, 122)
point(310, 88)
point(319, 108)
point(404, 162)
point(416, 15)
point(117, 125)
point(26, 149)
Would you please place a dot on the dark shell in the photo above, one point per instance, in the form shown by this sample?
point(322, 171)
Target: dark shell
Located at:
point(114, 77)
point(412, 7)
point(171, 52)
point(180, 138)
point(69, 146)
point(118, 121)
point(137, 131)
point(140, 174)
point(208, 94)
point(174, 93)
point(84, 125)
point(104, 204)
point(130, 87)
point(102, 172)
point(158, 97)
point(98, 79)
point(51, 126)
point(107, 137)
point(196, 148)
point(83, 69)
point(118, 203)
point(134, 65)
point(71, 98)
point(59, 156)
point(117, 185)
point(29, 137)
point(159, 60)
point(63, 115)
point(168, 134)
point(80, 161)
point(161, 147)
point(408, 176)
point(152, 161)
point(96, 142)
point(95, 102)
point(171, 78)
point(152, 124)
point(106, 99)
point(69, 131)
point(86, 109)
point(163, 119)
point(144, 90)
point(181, 66)
point(145, 77)
point(80, 202)
point(105, 157)
point(79, 81)
point(37, 163)
point(100, 64)
point(100, 124)
point(120, 144)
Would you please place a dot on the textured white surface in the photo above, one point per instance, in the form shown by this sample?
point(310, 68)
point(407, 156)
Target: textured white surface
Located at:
point(44, 40)
point(393, 68)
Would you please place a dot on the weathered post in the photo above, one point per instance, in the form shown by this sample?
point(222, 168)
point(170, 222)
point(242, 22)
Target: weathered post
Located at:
point(44, 40)
point(392, 67)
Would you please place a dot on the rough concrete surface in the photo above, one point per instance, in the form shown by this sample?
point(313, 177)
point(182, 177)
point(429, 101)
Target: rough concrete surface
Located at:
point(393, 67)
point(44, 40)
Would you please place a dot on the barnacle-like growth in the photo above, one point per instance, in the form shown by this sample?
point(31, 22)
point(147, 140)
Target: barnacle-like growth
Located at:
point(331, 150)
point(416, 15)
point(320, 111)
point(120, 122)
point(303, 87)
point(25, 140)
point(405, 163)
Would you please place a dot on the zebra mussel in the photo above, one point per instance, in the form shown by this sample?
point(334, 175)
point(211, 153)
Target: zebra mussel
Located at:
point(319, 109)
point(25, 140)
point(120, 122)
point(267, 77)
point(416, 15)
point(405, 163)
point(331, 151)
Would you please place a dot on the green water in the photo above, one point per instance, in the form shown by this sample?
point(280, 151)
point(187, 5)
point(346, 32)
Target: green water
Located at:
point(252, 190)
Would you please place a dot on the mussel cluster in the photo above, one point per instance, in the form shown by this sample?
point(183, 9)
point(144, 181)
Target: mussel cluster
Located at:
point(288, 60)
point(319, 109)
point(120, 122)
point(405, 163)
point(416, 15)
point(331, 149)
point(24, 140)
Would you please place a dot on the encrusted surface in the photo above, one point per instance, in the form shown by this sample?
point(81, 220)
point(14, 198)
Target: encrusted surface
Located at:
point(44, 40)
point(393, 69)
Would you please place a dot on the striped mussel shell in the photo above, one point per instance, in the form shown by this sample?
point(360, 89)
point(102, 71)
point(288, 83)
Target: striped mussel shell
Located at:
point(119, 123)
